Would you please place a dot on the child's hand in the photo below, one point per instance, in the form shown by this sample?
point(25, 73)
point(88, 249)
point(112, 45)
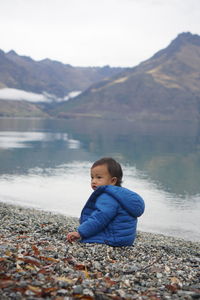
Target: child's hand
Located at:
point(73, 236)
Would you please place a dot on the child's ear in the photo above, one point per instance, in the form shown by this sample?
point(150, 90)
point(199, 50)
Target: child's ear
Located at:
point(114, 180)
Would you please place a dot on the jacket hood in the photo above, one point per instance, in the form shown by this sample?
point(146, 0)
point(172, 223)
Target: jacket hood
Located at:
point(129, 200)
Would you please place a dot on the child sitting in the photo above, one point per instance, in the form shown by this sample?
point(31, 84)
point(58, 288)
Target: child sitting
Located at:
point(110, 214)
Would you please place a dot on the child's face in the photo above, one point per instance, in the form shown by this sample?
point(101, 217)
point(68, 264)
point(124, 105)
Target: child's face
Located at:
point(101, 176)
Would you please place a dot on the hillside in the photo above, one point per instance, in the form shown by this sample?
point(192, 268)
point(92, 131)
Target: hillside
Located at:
point(23, 79)
point(53, 77)
point(165, 87)
point(20, 109)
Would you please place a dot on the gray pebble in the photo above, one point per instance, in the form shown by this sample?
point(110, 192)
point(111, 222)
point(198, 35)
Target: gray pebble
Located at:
point(37, 262)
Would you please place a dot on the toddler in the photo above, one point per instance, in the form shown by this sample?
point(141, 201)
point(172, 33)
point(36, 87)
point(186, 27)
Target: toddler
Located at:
point(110, 214)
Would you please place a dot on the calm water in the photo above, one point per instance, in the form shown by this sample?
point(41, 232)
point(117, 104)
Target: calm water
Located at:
point(45, 164)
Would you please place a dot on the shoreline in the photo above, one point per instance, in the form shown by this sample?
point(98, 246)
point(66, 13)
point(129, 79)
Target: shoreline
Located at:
point(194, 239)
point(37, 262)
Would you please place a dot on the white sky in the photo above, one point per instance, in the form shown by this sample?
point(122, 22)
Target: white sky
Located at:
point(95, 32)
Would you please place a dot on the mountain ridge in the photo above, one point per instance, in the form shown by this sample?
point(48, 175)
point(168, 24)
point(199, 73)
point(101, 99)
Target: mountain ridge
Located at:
point(164, 87)
point(50, 76)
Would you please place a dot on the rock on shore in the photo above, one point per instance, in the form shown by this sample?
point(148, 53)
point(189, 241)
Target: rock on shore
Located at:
point(36, 262)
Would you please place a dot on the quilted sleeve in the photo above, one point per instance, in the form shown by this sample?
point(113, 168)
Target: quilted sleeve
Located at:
point(105, 210)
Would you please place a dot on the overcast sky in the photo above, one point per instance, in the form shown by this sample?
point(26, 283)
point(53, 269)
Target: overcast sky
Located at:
point(95, 32)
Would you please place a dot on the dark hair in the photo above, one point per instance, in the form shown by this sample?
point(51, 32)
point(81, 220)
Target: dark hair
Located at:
point(114, 168)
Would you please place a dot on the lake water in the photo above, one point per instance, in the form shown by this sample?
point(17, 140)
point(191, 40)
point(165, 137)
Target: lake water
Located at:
point(46, 164)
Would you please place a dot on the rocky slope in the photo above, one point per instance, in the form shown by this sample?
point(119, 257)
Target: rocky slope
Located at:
point(165, 87)
point(47, 79)
point(53, 77)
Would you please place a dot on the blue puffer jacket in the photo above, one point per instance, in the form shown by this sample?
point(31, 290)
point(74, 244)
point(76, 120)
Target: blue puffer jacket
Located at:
point(110, 216)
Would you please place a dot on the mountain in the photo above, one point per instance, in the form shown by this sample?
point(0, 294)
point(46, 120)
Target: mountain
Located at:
point(23, 80)
point(52, 77)
point(20, 109)
point(164, 87)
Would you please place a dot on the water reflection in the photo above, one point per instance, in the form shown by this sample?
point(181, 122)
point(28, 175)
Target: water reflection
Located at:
point(42, 162)
point(167, 153)
point(66, 188)
point(22, 139)
point(19, 139)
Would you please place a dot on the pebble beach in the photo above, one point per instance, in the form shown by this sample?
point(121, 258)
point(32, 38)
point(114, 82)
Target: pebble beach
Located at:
point(36, 262)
